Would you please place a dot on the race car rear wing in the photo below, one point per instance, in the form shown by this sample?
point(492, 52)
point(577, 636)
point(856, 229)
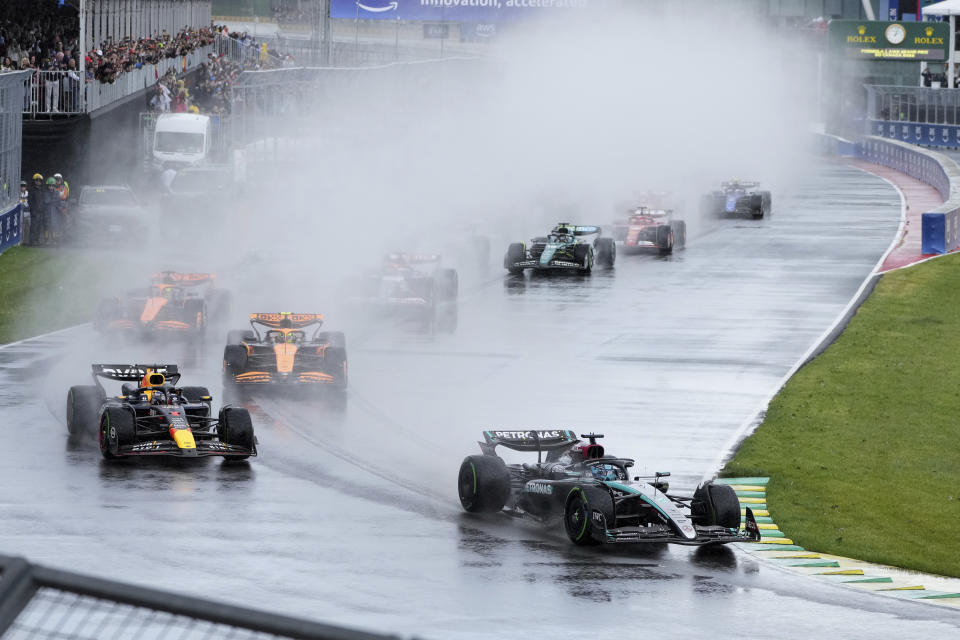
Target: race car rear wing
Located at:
point(183, 279)
point(285, 320)
point(532, 440)
point(577, 230)
point(133, 372)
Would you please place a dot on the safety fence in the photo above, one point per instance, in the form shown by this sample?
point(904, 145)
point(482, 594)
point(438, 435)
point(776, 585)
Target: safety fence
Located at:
point(940, 228)
point(916, 115)
point(11, 150)
point(41, 602)
point(62, 92)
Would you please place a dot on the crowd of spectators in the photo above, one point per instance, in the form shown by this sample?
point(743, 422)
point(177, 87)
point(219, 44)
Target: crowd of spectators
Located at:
point(42, 35)
point(208, 91)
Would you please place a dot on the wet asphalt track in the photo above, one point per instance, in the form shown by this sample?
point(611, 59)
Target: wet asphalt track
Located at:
point(350, 514)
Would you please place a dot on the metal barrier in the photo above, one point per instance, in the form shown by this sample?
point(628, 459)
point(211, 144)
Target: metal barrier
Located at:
point(59, 92)
point(40, 602)
point(917, 115)
point(940, 228)
point(11, 152)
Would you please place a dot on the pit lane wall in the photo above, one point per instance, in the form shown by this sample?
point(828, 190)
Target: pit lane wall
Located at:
point(940, 227)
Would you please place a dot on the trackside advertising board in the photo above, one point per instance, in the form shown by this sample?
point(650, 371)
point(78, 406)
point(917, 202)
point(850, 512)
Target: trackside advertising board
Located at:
point(10, 228)
point(878, 40)
point(483, 11)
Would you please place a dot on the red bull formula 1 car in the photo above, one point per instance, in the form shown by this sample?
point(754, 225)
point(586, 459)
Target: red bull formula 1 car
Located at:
point(153, 417)
point(174, 303)
point(647, 228)
point(593, 494)
point(285, 354)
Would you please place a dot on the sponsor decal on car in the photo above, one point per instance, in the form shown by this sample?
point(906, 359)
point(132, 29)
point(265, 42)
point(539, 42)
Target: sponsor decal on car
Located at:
point(539, 488)
point(524, 435)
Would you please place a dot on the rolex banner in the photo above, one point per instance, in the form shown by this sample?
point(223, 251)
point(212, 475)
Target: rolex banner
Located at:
point(873, 40)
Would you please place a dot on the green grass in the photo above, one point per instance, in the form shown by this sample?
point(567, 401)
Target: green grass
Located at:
point(45, 289)
point(863, 444)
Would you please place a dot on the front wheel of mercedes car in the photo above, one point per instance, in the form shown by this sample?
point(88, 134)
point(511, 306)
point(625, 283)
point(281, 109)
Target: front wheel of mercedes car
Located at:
point(588, 513)
point(716, 505)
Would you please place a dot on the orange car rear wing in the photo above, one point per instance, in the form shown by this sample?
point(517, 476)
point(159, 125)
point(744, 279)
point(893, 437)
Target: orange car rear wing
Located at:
point(286, 320)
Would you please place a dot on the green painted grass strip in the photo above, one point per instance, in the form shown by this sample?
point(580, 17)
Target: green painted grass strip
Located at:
point(751, 494)
point(772, 533)
point(742, 480)
point(826, 563)
point(883, 579)
point(753, 546)
point(940, 596)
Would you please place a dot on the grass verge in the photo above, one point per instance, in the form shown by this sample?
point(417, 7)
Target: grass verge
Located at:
point(45, 289)
point(862, 445)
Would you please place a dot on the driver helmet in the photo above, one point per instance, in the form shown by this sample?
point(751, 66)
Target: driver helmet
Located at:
point(604, 471)
point(278, 337)
point(292, 338)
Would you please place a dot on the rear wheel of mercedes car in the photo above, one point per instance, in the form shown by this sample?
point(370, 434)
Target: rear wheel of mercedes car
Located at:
point(483, 484)
point(117, 429)
point(83, 404)
point(716, 505)
point(606, 252)
point(588, 513)
point(665, 239)
point(515, 253)
point(236, 428)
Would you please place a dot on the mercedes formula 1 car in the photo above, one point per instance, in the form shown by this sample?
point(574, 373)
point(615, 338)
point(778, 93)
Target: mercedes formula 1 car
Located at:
point(737, 198)
point(409, 286)
point(594, 495)
point(563, 249)
point(154, 417)
point(174, 303)
point(647, 228)
point(284, 354)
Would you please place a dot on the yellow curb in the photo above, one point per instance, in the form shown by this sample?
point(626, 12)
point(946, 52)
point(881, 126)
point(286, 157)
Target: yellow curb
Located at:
point(842, 572)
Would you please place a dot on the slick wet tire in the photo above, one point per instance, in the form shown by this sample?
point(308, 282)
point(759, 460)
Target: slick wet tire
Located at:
point(196, 394)
point(235, 358)
point(83, 404)
point(448, 284)
point(483, 484)
point(582, 256)
point(196, 312)
point(515, 253)
point(236, 336)
point(679, 233)
point(588, 513)
point(236, 428)
point(335, 339)
point(716, 505)
point(335, 364)
point(117, 429)
point(606, 252)
point(665, 239)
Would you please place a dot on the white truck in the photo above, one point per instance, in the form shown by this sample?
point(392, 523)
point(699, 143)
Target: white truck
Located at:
point(181, 140)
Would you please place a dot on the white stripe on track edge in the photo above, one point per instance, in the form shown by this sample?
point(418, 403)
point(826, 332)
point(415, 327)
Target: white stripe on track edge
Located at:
point(43, 335)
